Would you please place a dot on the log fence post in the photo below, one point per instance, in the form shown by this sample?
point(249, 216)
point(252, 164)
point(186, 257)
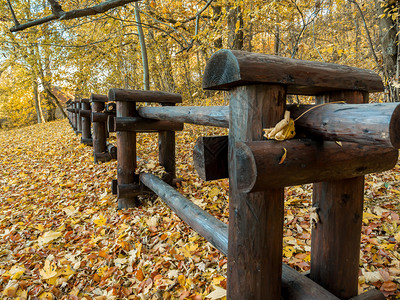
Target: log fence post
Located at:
point(86, 122)
point(335, 242)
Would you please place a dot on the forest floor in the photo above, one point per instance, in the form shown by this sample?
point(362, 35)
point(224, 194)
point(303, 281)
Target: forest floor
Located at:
point(62, 237)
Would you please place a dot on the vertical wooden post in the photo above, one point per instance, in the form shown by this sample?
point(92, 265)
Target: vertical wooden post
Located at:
point(335, 242)
point(126, 153)
point(166, 147)
point(99, 137)
point(255, 219)
point(86, 124)
point(78, 117)
point(74, 117)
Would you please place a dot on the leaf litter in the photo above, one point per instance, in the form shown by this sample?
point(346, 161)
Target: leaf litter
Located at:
point(61, 236)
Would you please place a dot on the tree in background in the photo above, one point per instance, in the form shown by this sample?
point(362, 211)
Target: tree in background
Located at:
point(95, 52)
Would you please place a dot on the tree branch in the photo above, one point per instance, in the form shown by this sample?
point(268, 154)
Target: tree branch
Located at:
point(73, 14)
point(13, 14)
point(367, 32)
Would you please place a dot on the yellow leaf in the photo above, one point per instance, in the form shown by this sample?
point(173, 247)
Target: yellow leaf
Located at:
point(49, 236)
point(102, 270)
point(218, 293)
point(218, 279)
point(288, 251)
point(283, 156)
point(49, 270)
point(40, 227)
point(397, 237)
point(181, 280)
point(100, 221)
point(214, 192)
point(46, 295)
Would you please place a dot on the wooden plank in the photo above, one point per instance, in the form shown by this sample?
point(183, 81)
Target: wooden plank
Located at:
point(209, 115)
point(335, 240)
point(143, 96)
point(210, 157)
point(260, 164)
point(294, 285)
point(255, 219)
point(229, 68)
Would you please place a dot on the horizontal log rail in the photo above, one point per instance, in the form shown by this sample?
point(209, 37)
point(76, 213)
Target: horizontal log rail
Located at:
point(374, 123)
point(127, 95)
point(294, 285)
point(209, 115)
point(142, 124)
point(377, 124)
point(291, 162)
point(294, 162)
point(229, 68)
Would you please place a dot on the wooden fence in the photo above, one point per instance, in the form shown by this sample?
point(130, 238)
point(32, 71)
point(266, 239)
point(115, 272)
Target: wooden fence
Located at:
point(336, 145)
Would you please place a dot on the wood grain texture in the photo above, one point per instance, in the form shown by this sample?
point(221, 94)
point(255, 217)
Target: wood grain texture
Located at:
point(143, 96)
point(140, 124)
point(375, 123)
point(335, 241)
point(260, 164)
point(98, 98)
point(166, 154)
point(99, 129)
point(209, 116)
point(86, 122)
point(126, 153)
point(230, 68)
point(256, 219)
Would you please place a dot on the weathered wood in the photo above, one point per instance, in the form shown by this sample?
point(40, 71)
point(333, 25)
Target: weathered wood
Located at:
point(111, 123)
point(230, 68)
point(255, 219)
point(99, 136)
point(370, 295)
point(84, 114)
point(294, 285)
point(210, 157)
point(166, 154)
point(88, 142)
point(102, 157)
point(335, 240)
point(99, 117)
point(375, 123)
point(74, 116)
point(210, 115)
point(98, 98)
point(126, 153)
point(260, 164)
point(130, 191)
point(143, 96)
point(139, 124)
point(79, 119)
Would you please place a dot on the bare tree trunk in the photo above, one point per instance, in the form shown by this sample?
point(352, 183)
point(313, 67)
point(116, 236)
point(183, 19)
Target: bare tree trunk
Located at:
point(277, 37)
point(146, 76)
point(38, 108)
point(388, 40)
point(235, 28)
